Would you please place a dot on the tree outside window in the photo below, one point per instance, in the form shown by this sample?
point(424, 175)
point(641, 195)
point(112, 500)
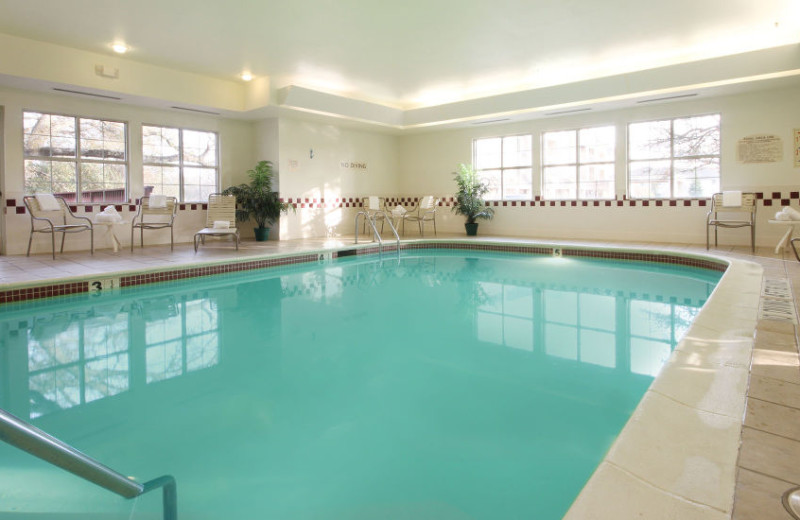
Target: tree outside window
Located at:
point(180, 163)
point(674, 158)
point(578, 164)
point(80, 159)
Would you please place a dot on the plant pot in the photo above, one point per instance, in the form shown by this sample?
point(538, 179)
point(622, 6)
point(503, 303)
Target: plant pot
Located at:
point(262, 233)
point(472, 228)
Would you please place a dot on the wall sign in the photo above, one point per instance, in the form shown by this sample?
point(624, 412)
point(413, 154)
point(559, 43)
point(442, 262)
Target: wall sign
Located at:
point(797, 147)
point(353, 165)
point(761, 148)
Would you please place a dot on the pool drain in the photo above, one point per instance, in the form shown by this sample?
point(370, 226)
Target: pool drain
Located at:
point(777, 302)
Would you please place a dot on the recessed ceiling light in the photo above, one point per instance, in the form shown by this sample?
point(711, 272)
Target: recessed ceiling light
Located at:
point(246, 76)
point(119, 47)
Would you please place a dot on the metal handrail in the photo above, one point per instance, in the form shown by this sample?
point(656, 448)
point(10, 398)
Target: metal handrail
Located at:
point(38, 443)
point(371, 221)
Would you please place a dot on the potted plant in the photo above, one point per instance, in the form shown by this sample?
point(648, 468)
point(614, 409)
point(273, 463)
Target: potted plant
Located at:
point(257, 200)
point(469, 198)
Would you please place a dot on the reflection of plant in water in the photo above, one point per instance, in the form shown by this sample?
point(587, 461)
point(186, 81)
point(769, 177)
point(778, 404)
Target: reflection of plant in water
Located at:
point(676, 319)
point(471, 291)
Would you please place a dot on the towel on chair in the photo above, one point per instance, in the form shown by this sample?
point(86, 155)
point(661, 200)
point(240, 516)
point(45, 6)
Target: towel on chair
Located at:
point(732, 198)
point(157, 201)
point(399, 211)
point(47, 202)
point(374, 202)
point(221, 224)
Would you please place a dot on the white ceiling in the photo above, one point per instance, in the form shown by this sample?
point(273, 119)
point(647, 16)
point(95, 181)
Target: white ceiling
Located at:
point(413, 53)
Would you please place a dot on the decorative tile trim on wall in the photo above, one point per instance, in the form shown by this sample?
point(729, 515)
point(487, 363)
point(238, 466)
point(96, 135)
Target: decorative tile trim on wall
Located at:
point(775, 198)
point(61, 289)
point(16, 206)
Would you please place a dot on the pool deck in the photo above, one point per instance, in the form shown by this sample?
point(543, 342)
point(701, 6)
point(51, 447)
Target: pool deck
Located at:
point(724, 413)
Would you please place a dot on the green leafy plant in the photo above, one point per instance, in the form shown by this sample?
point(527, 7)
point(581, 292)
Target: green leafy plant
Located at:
point(469, 197)
point(257, 200)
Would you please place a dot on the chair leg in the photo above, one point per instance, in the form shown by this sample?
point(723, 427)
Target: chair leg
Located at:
point(63, 236)
point(132, 228)
point(708, 237)
point(434, 226)
point(91, 241)
point(171, 239)
point(753, 238)
point(794, 248)
point(53, 240)
point(30, 239)
point(141, 237)
point(419, 222)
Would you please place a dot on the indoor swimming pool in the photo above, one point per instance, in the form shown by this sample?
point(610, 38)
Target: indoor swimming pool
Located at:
point(439, 384)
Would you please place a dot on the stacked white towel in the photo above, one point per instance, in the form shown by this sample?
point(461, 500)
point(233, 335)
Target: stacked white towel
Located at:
point(399, 211)
point(374, 202)
point(221, 224)
point(47, 202)
point(109, 214)
point(158, 201)
point(731, 198)
point(787, 213)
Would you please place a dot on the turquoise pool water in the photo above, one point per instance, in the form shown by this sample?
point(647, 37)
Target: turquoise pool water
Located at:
point(441, 385)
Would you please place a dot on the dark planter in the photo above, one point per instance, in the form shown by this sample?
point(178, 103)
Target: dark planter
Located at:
point(472, 228)
point(262, 233)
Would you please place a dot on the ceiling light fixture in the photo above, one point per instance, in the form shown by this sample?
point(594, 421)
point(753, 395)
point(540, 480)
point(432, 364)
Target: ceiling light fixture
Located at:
point(119, 47)
point(246, 76)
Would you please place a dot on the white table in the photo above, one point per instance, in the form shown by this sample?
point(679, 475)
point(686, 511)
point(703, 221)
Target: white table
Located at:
point(111, 229)
point(790, 225)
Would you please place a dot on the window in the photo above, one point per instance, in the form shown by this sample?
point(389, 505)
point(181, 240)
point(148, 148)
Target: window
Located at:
point(180, 163)
point(80, 159)
point(505, 164)
point(674, 157)
point(578, 164)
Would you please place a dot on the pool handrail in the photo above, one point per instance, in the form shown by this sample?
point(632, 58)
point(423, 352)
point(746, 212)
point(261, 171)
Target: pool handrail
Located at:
point(371, 220)
point(29, 438)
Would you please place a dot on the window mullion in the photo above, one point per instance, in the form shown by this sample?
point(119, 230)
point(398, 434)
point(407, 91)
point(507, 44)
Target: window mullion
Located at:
point(180, 165)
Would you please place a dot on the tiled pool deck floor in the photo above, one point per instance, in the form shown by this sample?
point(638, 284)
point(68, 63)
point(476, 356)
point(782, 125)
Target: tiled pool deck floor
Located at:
point(769, 459)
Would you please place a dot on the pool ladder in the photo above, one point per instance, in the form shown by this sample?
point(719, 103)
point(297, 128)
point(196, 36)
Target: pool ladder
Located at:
point(27, 437)
point(371, 221)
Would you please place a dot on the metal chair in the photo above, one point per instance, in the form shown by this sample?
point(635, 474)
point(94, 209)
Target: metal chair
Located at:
point(375, 207)
point(425, 211)
point(733, 217)
point(155, 218)
point(61, 221)
point(221, 208)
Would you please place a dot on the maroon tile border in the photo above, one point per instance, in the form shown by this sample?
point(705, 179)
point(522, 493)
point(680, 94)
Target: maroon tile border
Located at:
point(71, 288)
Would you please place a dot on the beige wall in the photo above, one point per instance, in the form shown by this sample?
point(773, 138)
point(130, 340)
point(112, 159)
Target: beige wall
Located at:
point(316, 163)
point(427, 160)
point(236, 156)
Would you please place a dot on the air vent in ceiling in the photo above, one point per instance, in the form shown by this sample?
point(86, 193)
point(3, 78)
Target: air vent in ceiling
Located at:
point(86, 93)
point(491, 121)
point(570, 111)
point(667, 98)
point(197, 110)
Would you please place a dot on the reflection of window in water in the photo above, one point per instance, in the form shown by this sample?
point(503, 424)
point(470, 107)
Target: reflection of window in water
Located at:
point(184, 338)
point(583, 327)
point(74, 359)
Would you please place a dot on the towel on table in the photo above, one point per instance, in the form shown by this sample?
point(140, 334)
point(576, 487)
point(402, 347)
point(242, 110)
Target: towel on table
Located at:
point(731, 198)
point(109, 214)
point(374, 203)
point(157, 201)
point(781, 215)
point(792, 213)
point(221, 224)
point(47, 202)
point(399, 211)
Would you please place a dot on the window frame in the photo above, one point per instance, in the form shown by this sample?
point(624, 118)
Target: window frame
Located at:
point(180, 165)
point(577, 164)
point(672, 158)
point(78, 160)
point(502, 169)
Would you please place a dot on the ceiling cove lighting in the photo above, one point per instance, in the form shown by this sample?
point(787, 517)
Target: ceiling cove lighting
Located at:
point(119, 47)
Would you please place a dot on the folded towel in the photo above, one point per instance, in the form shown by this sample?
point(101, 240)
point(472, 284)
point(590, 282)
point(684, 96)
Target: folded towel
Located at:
point(792, 213)
point(47, 202)
point(221, 224)
point(158, 201)
point(107, 217)
point(399, 211)
point(111, 210)
point(731, 198)
point(374, 203)
point(781, 215)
